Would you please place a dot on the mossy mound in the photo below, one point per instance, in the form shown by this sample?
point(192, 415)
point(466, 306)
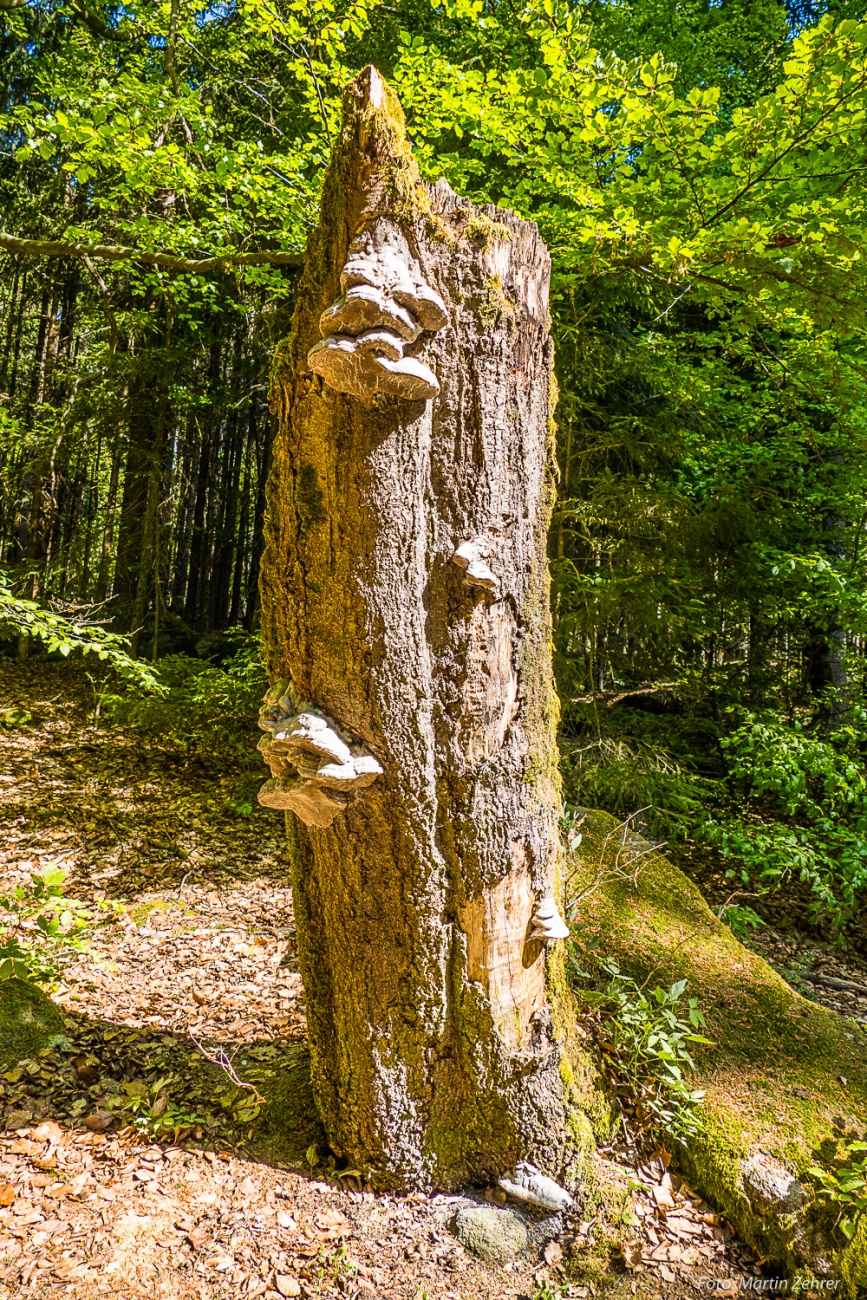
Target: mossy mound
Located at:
point(786, 1079)
point(29, 1022)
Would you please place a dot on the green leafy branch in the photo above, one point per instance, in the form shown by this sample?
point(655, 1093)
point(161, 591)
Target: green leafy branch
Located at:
point(27, 618)
point(42, 928)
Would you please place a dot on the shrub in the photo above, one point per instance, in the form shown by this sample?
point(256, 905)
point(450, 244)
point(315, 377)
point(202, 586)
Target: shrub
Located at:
point(208, 710)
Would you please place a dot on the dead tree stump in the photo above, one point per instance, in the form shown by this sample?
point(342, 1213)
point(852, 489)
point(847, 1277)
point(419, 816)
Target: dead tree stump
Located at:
point(411, 728)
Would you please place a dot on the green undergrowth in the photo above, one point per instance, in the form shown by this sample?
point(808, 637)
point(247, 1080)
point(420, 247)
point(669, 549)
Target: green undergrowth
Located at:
point(781, 799)
point(783, 1076)
point(207, 710)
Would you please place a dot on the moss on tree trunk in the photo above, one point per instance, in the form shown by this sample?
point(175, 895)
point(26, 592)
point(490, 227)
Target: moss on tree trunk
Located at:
point(440, 1032)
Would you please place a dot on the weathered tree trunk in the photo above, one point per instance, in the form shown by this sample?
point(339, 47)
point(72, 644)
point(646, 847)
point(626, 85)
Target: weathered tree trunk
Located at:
point(405, 601)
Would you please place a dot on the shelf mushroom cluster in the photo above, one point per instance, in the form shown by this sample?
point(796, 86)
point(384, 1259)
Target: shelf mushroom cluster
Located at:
point(547, 922)
point(385, 305)
point(314, 770)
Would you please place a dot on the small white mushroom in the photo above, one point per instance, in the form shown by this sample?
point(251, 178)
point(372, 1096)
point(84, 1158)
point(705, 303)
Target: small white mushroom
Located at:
point(381, 341)
point(424, 303)
point(315, 806)
point(384, 305)
point(337, 776)
point(466, 554)
point(536, 1188)
point(363, 307)
point(547, 922)
point(476, 572)
point(479, 575)
point(366, 770)
point(311, 721)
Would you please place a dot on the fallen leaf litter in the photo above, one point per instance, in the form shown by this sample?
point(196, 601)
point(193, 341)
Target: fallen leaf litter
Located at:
point(202, 961)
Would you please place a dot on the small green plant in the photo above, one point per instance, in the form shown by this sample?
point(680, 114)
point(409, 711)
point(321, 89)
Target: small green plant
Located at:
point(644, 1037)
point(207, 710)
point(547, 1290)
point(740, 920)
point(159, 1117)
point(845, 1188)
point(803, 810)
point(42, 928)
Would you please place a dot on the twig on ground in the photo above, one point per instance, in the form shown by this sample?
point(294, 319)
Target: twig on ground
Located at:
point(223, 1062)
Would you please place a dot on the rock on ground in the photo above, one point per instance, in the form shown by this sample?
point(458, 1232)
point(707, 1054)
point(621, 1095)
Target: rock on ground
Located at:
point(491, 1233)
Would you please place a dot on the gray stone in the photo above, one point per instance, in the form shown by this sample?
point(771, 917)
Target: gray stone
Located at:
point(770, 1186)
point(491, 1233)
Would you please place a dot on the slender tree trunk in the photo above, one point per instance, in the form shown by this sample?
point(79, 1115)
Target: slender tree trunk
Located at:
point(826, 647)
point(437, 1023)
point(263, 474)
point(108, 526)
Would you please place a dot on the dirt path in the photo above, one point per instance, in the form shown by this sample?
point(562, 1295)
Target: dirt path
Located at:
point(200, 965)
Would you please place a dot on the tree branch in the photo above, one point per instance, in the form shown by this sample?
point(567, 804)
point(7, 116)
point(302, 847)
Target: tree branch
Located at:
point(12, 4)
point(119, 253)
point(97, 25)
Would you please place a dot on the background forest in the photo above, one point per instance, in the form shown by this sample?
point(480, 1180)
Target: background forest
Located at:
point(697, 169)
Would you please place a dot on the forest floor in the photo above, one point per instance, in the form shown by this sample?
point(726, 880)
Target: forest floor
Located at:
point(191, 993)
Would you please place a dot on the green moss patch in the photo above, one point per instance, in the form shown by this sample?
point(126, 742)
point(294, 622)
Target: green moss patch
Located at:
point(785, 1077)
point(29, 1022)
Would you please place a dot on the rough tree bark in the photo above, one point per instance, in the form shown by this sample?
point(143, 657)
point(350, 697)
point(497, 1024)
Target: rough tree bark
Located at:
point(405, 600)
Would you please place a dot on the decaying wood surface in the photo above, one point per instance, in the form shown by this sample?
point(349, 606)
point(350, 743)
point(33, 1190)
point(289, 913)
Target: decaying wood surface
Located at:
point(406, 595)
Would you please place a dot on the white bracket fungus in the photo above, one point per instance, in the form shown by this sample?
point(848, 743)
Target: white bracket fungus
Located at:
point(529, 1185)
point(468, 557)
point(385, 305)
point(547, 922)
point(315, 771)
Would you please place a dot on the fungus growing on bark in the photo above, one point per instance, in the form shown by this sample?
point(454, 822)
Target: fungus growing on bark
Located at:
point(385, 305)
point(547, 922)
point(314, 771)
point(468, 557)
point(535, 1188)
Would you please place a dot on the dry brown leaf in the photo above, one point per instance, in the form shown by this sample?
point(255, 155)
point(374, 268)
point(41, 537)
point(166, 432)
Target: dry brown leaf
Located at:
point(329, 1219)
point(99, 1121)
point(631, 1253)
point(47, 1132)
point(287, 1286)
point(553, 1254)
point(7, 1194)
point(285, 1220)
